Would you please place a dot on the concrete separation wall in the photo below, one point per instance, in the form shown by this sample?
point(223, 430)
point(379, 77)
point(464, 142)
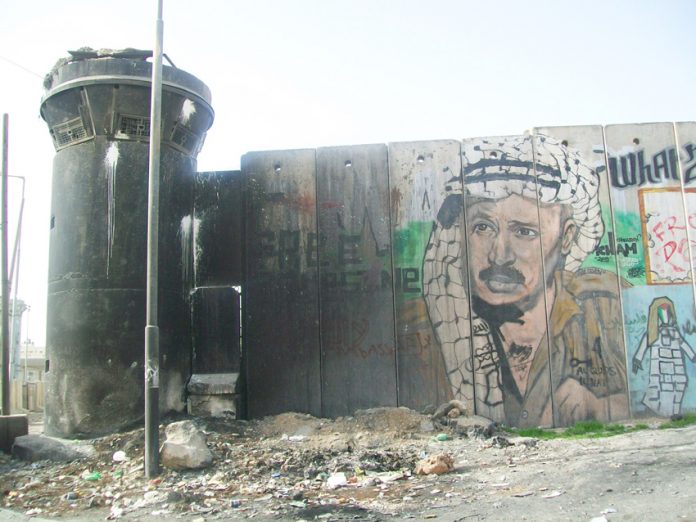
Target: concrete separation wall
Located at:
point(543, 279)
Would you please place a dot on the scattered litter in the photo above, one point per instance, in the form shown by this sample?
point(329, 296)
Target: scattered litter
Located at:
point(336, 480)
point(389, 476)
point(324, 469)
point(91, 476)
point(119, 456)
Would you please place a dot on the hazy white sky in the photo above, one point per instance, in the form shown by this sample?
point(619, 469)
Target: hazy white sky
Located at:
point(307, 73)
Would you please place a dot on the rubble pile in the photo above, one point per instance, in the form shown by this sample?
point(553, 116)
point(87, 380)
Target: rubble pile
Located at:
point(293, 464)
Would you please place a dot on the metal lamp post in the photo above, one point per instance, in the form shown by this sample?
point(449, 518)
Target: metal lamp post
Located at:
point(152, 362)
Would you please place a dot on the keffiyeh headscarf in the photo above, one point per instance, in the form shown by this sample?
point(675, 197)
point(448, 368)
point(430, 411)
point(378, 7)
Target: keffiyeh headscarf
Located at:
point(532, 166)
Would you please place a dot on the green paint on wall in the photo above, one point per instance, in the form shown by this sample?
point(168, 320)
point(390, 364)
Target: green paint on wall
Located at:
point(410, 243)
point(409, 248)
point(629, 247)
point(603, 257)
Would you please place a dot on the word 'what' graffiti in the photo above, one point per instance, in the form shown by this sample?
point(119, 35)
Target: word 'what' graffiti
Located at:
point(634, 169)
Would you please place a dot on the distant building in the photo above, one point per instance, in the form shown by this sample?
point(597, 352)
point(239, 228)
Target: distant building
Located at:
point(17, 310)
point(32, 362)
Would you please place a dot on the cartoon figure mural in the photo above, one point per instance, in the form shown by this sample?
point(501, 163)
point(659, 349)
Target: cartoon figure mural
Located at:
point(527, 208)
point(667, 347)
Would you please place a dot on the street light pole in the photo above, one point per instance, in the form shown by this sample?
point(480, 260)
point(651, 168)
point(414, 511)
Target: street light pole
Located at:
point(152, 359)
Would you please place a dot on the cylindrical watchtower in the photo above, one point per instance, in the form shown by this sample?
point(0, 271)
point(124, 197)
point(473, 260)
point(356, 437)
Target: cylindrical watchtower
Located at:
point(97, 108)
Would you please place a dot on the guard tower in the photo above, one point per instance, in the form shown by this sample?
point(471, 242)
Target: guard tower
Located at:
point(97, 107)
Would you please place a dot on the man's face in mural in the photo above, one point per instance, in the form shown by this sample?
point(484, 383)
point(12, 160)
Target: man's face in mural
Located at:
point(505, 239)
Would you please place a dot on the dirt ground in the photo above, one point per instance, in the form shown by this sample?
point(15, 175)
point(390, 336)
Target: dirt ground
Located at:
point(285, 468)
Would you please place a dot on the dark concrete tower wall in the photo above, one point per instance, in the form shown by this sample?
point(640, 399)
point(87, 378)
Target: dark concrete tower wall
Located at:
point(98, 114)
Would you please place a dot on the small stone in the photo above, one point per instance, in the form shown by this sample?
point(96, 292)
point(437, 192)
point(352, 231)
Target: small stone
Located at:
point(500, 442)
point(474, 426)
point(69, 496)
point(527, 441)
point(435, 465)
point(445, 408)
point(185, 447)
point(33, 448)
point(174, 496)
point(553, 494)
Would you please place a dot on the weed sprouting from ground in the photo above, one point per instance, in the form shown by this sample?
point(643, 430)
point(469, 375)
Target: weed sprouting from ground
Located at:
point(595, 429)
point(680, 421)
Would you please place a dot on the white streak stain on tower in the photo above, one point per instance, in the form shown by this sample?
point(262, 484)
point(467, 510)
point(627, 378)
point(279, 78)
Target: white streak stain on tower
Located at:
point(185, 232)
point(188, 234)
point(188, 109)
point(111, 162)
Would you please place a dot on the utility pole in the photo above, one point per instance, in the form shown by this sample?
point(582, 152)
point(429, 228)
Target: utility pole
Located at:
point(5, 286)
point(152, 359)
point(14, 286)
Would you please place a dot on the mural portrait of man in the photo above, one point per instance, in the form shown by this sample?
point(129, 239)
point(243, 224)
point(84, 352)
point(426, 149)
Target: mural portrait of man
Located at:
point(528, 336)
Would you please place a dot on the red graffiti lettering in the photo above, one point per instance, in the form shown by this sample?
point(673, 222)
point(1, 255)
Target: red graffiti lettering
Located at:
point(657, 230)
point(670, 223)
point(669, 245)
point(692, 221)
point(670, 248)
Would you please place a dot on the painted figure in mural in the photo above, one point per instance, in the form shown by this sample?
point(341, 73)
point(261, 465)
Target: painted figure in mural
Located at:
point(527, 323)
point(668, 379)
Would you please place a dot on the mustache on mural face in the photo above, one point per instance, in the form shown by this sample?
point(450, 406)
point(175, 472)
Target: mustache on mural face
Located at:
point(502, 274)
